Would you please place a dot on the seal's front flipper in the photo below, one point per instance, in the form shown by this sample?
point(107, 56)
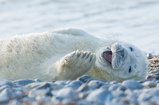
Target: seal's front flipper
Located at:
point(75, 64)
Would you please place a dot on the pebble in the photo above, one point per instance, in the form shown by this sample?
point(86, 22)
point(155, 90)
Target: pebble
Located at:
point(144, 97)
point(4, 87)
point(44, 86)
point(149, 84)
point(74, 84)
point(82, 91)
point(84, 102)
point(34, 93)
point(4, 95)
point(113, 82)
point(61, 83)
point(22, 82)
point(121, 88)
point(132, 97)
point(83, 88)
point(82, 95)
point(118, 94)
point(37, 80)
point(114, 87)
point(96, 83)
point(5, 82)
point(151, 79)
point(64, 93)
point(132, 84)
point(106, 87)
point(99, 96)
point(84, 78)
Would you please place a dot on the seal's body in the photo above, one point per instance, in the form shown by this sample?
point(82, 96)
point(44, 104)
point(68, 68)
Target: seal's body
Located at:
point(67, 54)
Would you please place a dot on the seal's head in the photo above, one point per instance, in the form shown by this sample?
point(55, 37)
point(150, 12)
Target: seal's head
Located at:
point(122, 61)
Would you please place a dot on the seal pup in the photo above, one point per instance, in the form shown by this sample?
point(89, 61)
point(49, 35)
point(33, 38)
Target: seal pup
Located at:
point(67, 54)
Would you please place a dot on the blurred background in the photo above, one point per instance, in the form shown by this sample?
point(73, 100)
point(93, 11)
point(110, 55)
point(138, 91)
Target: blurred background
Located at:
point(136, 21)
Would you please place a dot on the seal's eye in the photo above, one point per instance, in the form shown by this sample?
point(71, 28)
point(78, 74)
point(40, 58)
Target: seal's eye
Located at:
point(130, 69)
point(131, 49)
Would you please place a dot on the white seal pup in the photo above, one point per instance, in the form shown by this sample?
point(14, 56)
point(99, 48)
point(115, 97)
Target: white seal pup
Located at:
point(67, 54)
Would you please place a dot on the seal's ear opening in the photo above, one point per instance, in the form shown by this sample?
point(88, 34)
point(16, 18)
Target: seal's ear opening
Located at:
point(107, 55)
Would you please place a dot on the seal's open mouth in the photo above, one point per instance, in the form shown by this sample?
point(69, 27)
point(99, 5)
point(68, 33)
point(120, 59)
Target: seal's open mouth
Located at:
point(107, 55)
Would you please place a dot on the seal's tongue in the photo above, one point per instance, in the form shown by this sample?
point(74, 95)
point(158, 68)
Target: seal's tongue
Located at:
point(108, 56)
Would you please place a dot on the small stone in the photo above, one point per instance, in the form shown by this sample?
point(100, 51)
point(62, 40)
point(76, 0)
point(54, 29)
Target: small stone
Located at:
point(99, 96)
point(68, 102)
point(37, 80)
point(14, 102)
point(33, 93)
point(4, 87)
point(49, 94)
point(132, 84)
point(5, 95)
point(27, 99)
point(56, 100)
point(82, 95)
point(18, 93)
point(132, 97)
point(114, 87)
point(91, 79)
point(115, 101)
point(83, 88)
point(121, 88)
point(151, 79)
point(144, 97)
point(84, 78)
point(64, 93)
point(44, 86)
point(42, 98)
point(157, 78)
point(84, 102)
point(157, 81)
point(128, 91)
point(153, 91)
point(33, 85)
point(157, 85)
point(106, 87)
point(125, 101)
point(5, 82)
point(141, 82)
point(148, 103)
point(61, 83)
point(113, 82)
point(65, 102)
point(149, 84)
point(74, 84)
point(22, 82)
point(118, 94)
point(96, 83)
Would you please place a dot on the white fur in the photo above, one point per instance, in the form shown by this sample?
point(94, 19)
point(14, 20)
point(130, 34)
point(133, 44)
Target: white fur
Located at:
point(53, 55)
